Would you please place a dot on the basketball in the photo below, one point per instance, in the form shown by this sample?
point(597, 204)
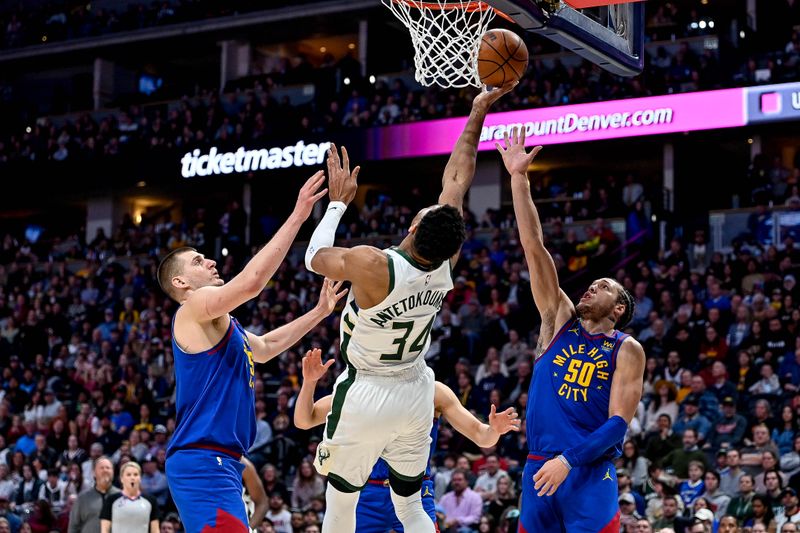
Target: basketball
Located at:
point(503, 57)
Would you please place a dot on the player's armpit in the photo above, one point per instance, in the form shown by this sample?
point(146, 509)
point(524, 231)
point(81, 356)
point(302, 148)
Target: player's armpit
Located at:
point(626, 387)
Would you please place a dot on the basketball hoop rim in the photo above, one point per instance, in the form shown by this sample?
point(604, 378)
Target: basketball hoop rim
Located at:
point(469, 7)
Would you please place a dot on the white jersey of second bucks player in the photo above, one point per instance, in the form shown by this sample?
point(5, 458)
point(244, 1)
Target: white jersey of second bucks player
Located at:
point(392, 335)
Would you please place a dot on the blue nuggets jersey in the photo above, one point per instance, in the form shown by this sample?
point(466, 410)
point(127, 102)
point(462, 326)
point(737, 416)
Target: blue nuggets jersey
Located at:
point(570, 389)
point(215, 394)
point(381, 469)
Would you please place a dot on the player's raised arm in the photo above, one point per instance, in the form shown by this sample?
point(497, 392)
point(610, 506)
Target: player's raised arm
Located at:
point(484, 435)
point(214, 299)
point(554, 306)
point(307, 412)
point(275, 342)
point(256, 491)
point(460, 169)
point(365, 264)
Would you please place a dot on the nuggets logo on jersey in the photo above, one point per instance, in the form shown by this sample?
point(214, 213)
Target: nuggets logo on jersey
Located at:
point(581, 365)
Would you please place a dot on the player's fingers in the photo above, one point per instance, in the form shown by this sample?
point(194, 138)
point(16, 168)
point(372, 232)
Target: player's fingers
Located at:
point(518, 133)
point(328, 364)
point(345, 160)
point(340, 295)
point(533, 153)
point(499, 148)
point(320, 194)
point(317, 178)
point(492, 410)
point(506, 140)
point(355, 173)
point(552, 490)
point(536, 477)
point(544, 489)
point(336, 285)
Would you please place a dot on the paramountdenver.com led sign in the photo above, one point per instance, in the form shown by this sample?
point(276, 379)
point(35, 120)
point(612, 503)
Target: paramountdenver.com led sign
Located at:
point(728, 108)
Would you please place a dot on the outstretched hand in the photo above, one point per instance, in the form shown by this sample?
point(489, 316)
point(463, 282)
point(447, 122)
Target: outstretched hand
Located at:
point(489, 96)
point(308, 196)
point(342, 183)
point(330, 295)
point(313, 369)
point(515, 158)
point(504, 422)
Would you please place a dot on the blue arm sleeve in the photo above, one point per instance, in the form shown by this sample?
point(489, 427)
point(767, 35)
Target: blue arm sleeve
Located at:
point(597, 443)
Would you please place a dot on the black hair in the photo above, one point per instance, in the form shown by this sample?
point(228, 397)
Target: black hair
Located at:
point(440, 234)
point(625, 298)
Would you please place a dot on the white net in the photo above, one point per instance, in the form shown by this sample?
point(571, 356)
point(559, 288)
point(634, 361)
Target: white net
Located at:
point(446, 37)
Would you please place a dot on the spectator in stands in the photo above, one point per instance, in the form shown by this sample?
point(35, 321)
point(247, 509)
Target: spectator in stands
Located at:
point(663, 441)
point(634, 464)
point(13, 522)
point(670, 517)
point(709, 404)
point(791, 511)
point(692, 419)
point(731, 474)
point(663, 403)
point(679, 460)
point(717, 500)
point(278, 515)
point(307, 485)
point(691, 489)
point(486, 484)
point(762, 514)
point(154, 481)
point(85, 513)
point(769, 461)
point(462, 506)
point(741, 506)
point(752, 455)
point(728, 429)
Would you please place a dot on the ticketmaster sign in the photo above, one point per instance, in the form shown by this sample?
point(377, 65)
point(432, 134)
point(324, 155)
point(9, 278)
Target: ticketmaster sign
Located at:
point(215, 162)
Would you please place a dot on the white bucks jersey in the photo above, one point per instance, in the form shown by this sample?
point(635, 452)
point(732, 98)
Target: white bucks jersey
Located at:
point(394, 334)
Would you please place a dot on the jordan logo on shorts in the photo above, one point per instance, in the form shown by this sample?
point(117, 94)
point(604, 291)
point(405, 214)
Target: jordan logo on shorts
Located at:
point(607, 476)
point(427, 492)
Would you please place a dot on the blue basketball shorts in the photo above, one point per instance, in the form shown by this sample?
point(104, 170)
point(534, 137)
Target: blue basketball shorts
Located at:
point(206, 486)
point(586, 502)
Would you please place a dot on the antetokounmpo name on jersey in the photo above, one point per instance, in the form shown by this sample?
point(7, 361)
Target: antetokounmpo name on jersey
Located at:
point(429, 298)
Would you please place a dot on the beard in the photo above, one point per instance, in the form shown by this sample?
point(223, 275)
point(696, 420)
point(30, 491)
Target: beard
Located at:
point(587, 311)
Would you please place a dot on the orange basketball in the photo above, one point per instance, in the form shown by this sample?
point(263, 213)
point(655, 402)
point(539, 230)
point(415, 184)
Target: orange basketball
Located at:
point(503, 57)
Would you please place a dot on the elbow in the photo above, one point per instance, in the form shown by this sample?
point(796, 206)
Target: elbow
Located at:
point(302, 423)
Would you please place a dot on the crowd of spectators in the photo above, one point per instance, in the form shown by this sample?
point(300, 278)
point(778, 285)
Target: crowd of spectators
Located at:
point(250, 112)
point(87, 371)
point(47, 22)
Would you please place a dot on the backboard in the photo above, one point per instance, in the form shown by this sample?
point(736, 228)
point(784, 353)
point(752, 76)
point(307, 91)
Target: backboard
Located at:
point(611, 36)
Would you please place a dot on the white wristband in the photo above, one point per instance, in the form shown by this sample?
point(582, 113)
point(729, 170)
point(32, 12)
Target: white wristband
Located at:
point(564, 460)
point(325, 232)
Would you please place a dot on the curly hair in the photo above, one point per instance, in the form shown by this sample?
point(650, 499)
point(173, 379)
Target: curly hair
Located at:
point(440, 234)
point(625, 298)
